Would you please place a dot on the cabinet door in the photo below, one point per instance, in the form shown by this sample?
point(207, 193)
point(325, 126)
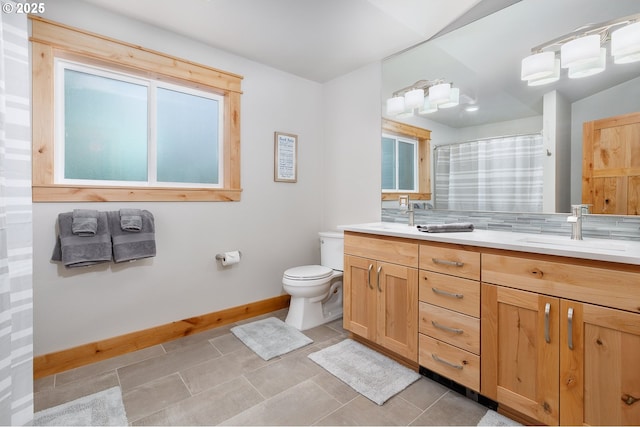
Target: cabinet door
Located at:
point(359, 296)
point(520, 351)
point(397, 288)
point(599, 365)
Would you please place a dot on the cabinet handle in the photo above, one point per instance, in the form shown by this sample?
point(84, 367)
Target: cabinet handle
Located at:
point(453, 365)
point(379, 270)
point(446, 294)
point(446, 328)
point(570, 327)
point(369, 276)
point(447, 262)
point(547, 310)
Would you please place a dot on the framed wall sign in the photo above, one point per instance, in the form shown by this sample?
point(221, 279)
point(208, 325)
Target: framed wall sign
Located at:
point(285, 157)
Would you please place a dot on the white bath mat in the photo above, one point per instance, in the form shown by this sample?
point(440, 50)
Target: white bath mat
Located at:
point(270, 337)
point(368, 372)
point(492, 418)
point(104, 408)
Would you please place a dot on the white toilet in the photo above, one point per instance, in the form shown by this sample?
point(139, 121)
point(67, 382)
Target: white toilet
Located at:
point(316, 290)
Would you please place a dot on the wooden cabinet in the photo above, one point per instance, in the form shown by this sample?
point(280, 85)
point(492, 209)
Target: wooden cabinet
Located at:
point(611, 165)
point(380, 295)
point(449, 324)
point(553, 358)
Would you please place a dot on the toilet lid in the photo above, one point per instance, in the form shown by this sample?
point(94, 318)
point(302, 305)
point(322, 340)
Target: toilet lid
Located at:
point(308, 272)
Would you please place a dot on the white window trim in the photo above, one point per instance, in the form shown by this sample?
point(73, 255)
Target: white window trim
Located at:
point(414, 143)
point(152, 85)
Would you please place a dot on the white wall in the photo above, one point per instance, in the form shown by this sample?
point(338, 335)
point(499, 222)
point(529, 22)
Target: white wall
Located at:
point(275, 225)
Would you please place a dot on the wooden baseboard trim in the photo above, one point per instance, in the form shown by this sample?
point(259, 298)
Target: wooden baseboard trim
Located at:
point(60, 361)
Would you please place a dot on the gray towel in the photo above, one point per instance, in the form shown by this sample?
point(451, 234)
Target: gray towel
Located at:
point(131, 220)
point(81, 251)
point(446, 228)
point(128, 246)
point(85, 222)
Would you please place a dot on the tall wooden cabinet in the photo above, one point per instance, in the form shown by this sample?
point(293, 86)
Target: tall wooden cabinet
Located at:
point(611, 165)
point(381, 292)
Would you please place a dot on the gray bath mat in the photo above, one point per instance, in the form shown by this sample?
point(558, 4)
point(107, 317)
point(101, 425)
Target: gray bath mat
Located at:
point(368, 372)
point(104, 408)
point(270, 337)
point(492, 418)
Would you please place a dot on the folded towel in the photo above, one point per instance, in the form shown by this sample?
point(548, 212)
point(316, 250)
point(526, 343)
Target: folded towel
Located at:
point(446, 228)
point(85, 222)
point(80, 251)
point(129, 246)
point(131, 220)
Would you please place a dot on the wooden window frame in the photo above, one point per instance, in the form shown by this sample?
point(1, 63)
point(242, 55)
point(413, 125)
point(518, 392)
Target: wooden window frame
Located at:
point(50, 40)
point(424, 157)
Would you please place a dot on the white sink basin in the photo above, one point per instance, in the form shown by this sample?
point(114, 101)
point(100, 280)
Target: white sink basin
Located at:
point(566, 242)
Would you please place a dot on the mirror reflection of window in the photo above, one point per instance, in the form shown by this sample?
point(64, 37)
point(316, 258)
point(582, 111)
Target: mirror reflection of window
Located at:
point(399, 163)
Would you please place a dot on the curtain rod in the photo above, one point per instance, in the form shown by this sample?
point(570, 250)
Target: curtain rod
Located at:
point(435, 147)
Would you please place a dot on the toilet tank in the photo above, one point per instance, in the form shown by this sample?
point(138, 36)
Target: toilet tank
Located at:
point(332, 249)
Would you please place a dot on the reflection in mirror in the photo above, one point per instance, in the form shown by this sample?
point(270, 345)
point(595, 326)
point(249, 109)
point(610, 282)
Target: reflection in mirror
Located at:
point(483, 60)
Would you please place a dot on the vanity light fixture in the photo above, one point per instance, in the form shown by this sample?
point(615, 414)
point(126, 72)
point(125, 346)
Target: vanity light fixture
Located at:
point(439, 94)
point(583, 52)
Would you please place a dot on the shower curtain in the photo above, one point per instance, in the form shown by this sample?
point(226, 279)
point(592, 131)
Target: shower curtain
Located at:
point(16, 297)
point(497, 174)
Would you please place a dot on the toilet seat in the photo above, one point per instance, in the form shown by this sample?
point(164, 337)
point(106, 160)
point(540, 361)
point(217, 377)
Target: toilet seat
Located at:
point(308, 272)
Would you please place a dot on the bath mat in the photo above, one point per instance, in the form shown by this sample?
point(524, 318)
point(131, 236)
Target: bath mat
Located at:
point(368, 372)
point(104, 408)
point(492, 418)
point(270, 337)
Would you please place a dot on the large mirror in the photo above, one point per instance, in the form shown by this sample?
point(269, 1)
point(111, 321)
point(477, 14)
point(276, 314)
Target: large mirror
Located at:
point(483, 59)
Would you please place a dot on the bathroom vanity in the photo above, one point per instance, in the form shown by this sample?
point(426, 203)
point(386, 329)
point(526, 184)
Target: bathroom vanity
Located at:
point(547, 327)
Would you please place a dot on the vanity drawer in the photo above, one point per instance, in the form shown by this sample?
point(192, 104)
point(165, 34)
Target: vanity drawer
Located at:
point(454, 328)
point(448, 260)
point(387, 249)
point(454, 293)
point(617, 286)
point(456, 364)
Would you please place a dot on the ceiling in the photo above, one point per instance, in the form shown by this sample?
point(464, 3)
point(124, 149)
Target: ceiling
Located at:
point(314, 39)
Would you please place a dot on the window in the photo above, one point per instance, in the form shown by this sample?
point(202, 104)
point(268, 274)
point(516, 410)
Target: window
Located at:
point(119, 129)
point(399, 163)
point(113, 121)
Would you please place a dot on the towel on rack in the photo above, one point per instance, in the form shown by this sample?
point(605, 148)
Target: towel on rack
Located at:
point(446, 228)
point(81, 251)
point(131, 220)
point(130, 246)
point(85, 222)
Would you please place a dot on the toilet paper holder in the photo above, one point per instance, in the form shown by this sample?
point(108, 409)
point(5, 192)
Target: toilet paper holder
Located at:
point(221, 256)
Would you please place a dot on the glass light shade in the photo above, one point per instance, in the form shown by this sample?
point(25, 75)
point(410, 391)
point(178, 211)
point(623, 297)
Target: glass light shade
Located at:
point(395, 105)
point(454, 99)
point(538, 66)
point(553, 77)
point(580, 50)
point(439, 93)
point(589, 68)
point(427, 108)
point(625, 44)
point(414, 98)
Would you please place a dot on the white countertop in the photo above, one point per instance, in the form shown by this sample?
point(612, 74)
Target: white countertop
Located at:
point(621, 251)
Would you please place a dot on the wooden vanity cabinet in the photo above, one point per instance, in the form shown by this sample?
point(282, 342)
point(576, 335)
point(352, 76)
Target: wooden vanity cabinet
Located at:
point(554, 358)
point(380, 291)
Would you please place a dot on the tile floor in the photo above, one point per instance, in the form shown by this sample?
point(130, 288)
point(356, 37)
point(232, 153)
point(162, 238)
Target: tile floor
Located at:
point(212, 378)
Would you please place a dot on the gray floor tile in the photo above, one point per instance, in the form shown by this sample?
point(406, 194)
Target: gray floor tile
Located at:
point(452, 409)
point(227, 343)
point(153, 396)
point(340, 391)
point(44, 383)
point(363, 412)
point(208, 408)
point(321, 333)
point(195, 338)
point(424, 392)
point(59, 395)
point(302, 404)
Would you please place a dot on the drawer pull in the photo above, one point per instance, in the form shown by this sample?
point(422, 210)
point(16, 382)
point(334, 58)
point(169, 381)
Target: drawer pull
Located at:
point(379, 270)
point(369, 276)
point(447, 262)
point(570, 327)
point(447, 294)
point(453, 365)
point(547, 310)
point(446, 328)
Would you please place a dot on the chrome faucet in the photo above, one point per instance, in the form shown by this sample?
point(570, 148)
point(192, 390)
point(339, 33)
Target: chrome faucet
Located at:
point(576, 220)
point(404, 201)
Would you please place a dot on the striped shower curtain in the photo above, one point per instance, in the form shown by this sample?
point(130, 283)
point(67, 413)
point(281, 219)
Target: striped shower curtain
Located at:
point(498, 174)
point(16, 298)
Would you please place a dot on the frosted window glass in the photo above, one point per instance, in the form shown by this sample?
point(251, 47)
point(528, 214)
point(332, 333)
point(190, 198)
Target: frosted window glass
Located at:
point(105, 125)
point(188, 145)
point(406, 166)
point(388, 163)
